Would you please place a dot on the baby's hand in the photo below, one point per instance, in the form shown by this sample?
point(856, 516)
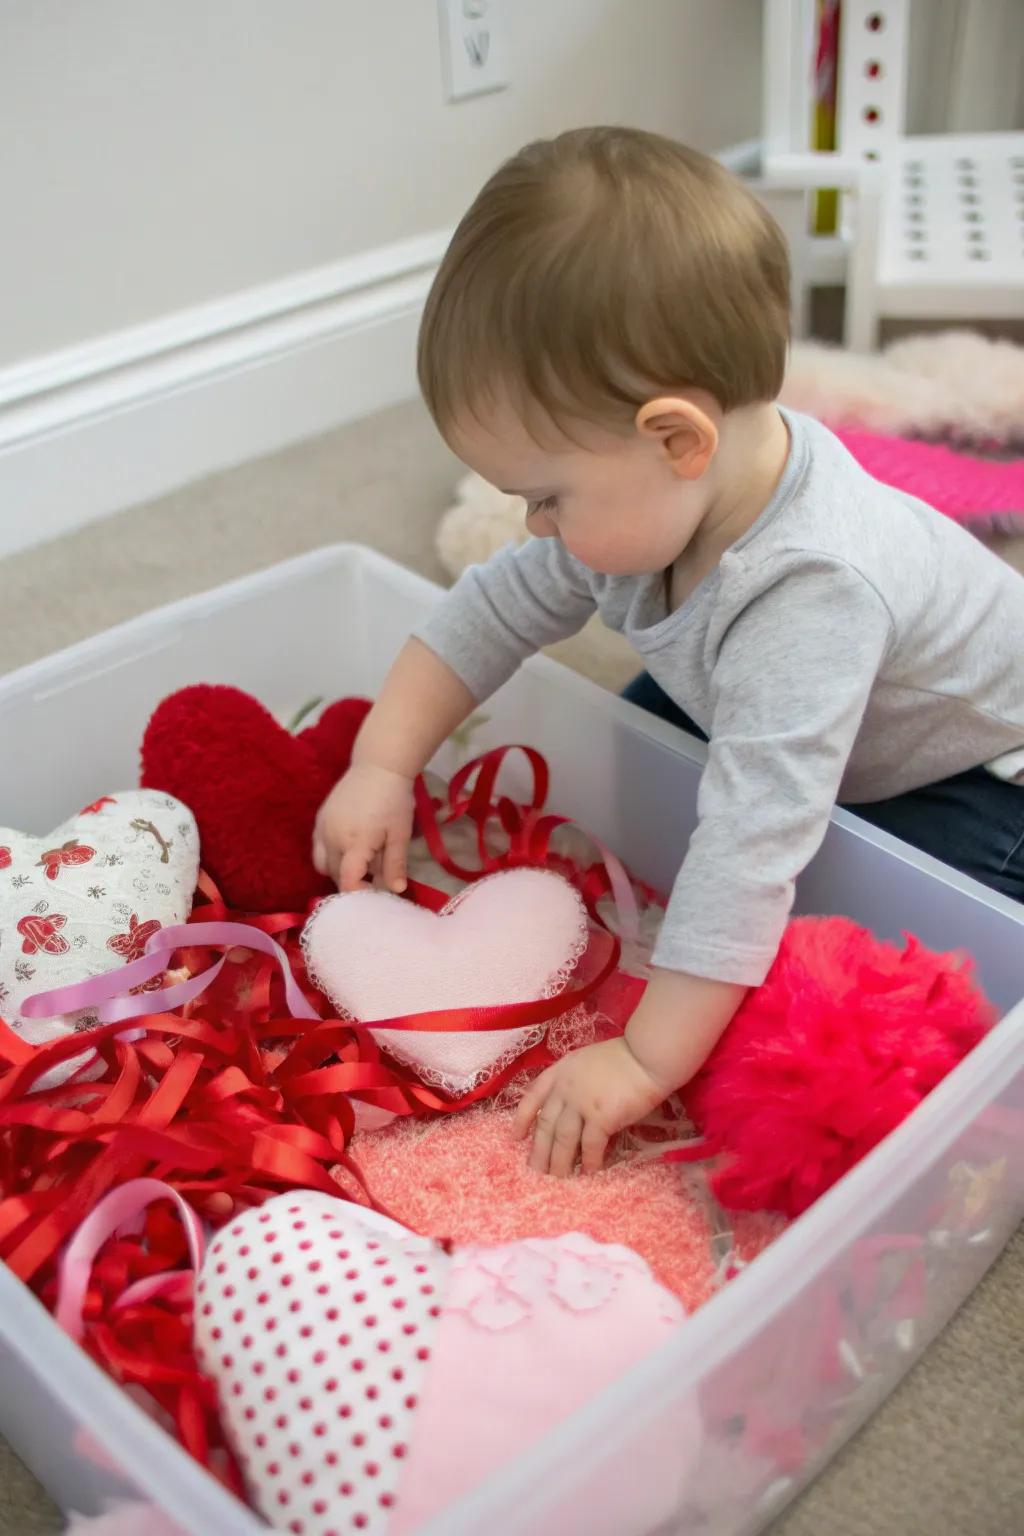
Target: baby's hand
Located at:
point(364, 826)
point(582, 1101)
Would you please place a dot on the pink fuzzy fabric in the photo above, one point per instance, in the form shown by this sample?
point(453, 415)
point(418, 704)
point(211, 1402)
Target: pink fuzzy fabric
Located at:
point(465, 1178)
point(844, 1039)
point(973, 491)
point(513, 937)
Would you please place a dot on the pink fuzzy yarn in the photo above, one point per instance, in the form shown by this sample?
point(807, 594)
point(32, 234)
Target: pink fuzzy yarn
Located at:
point(967, 489)
point(846, 1036)
point(463, 1177)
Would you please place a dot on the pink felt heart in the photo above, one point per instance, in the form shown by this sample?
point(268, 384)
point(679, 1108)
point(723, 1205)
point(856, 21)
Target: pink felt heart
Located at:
point(514, 937)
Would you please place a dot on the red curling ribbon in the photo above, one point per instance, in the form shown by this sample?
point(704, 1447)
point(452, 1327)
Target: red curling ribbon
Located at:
point(231, 1097)
point(114, 1212)
point(503, 1015)
point(528, 834)
point(12, 1047)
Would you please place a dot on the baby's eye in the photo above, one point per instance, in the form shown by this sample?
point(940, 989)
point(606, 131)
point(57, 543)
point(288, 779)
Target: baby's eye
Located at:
point(546, 504)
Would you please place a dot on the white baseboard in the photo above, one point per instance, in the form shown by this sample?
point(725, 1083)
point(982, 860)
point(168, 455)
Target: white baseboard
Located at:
point(95, 428)
point(98, 427)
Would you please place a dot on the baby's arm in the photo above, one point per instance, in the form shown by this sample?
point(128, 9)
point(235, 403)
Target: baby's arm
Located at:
point(368, 816)
point(494, 617)
point(793, 675)
point(672, 1056)
point(576, 1106)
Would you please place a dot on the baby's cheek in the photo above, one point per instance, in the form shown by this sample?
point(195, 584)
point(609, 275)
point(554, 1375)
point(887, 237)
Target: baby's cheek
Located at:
point(612, 552)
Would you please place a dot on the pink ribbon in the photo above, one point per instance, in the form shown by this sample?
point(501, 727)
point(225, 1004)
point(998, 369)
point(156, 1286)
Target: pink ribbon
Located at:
point(622, 894)
point(116, 1210)
point(105, 990)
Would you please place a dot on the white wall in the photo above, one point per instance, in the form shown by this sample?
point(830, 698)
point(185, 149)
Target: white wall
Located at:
point(966, 66)
point(160, 153)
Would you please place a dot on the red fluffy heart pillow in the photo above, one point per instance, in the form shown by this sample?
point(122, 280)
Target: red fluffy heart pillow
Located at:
point(253, 788)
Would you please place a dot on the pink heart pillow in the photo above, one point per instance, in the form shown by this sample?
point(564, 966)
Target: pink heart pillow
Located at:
point(367, 1378)
point(513, 937)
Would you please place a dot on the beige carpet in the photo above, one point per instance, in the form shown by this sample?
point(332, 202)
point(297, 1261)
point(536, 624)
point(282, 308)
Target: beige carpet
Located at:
point(945, 1456)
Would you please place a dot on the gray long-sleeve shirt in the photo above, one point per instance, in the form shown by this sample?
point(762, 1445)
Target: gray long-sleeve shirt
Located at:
point(852, 645)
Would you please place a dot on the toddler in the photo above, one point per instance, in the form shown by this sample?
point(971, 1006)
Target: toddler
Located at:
point(606, 337)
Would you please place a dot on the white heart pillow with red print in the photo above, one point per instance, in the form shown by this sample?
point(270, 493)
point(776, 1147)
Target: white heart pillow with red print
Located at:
point(513, 937)
point(367, 1378)
point(85, 898)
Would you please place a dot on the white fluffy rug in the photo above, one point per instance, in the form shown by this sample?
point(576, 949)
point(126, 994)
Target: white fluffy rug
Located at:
point(963, 388)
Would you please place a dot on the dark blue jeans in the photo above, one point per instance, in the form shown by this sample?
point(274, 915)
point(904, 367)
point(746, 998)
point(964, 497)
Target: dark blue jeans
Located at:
point(973, 821)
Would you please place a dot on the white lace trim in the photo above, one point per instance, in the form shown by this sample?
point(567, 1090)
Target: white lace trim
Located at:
point(466, 1083)
point(500, 1288)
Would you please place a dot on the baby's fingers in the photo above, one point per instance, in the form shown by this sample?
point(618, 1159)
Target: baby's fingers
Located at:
point(566, 1142)
point(322, 861)
point(594, 1145)
point(544, 1134)
point(529, 1105)
point(354, 864)
point(393, 864)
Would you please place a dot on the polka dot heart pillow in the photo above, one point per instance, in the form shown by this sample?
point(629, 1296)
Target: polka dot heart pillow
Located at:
point(368, 1378)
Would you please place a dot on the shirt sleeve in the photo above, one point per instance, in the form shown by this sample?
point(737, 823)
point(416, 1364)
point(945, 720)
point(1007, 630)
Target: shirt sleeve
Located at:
point(790, 684)
point(500, 613)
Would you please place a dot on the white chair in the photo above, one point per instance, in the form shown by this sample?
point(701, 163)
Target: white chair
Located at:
point(935, 226)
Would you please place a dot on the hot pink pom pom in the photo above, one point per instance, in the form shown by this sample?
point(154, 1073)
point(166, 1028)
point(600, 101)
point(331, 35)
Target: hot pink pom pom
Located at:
point(845, 1038)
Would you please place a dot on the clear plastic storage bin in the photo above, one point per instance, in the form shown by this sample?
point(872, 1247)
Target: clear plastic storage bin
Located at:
point(768, 1379)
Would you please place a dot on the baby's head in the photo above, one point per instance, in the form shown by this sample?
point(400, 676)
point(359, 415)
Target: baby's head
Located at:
point(608, 304)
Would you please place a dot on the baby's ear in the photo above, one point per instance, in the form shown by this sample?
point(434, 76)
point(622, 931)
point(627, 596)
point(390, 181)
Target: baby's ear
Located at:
point(685, 432)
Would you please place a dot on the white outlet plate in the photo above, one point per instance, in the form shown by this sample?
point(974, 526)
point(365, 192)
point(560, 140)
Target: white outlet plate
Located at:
point(473, 59)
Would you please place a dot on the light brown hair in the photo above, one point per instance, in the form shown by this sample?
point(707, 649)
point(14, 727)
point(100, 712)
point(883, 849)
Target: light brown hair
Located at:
point(600, 267)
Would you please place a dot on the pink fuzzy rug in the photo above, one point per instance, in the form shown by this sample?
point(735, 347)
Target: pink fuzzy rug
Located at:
point(981, 493)
point(465, 1178)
